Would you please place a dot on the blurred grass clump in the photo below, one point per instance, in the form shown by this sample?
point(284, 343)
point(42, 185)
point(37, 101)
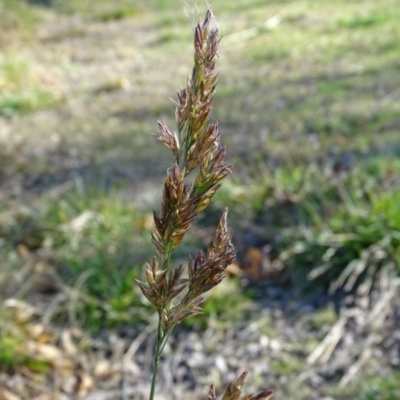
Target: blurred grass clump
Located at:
point(350, 233)
point(21, 88)
point(92, 243)
point(380, 388)
point(337, 230)
point(13, 350)
point(17, 18)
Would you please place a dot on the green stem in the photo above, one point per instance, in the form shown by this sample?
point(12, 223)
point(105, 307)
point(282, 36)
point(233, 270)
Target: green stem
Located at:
point(157, 355)
point(162, 335)
point(162, 339)
point(165, 339)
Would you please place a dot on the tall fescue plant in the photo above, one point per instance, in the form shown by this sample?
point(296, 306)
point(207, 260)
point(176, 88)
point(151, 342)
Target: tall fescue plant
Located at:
point(196, 148)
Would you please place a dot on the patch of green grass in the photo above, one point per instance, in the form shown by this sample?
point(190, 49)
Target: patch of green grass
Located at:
point(31, 100)
point(333, 230)
point(14, 70)
point(270, 55)
point(366, 20)
point(171, 20)
point(18, 18)
point(331, 87)
point(221, 313)
point(323, 317)
point(103, 10)
point(286, 366)
point(383, 388)
point(101, 240)
point(357, 235)
point(12, 356)
point(100, 245)
point(13, 353)
point(19, 87)
point(170, 35)
point(116, 13)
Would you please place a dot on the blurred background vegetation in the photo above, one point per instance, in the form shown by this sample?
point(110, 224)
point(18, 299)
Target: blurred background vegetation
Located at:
point(308, 106)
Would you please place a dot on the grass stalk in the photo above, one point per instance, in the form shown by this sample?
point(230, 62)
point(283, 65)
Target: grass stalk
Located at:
point(196, 147)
